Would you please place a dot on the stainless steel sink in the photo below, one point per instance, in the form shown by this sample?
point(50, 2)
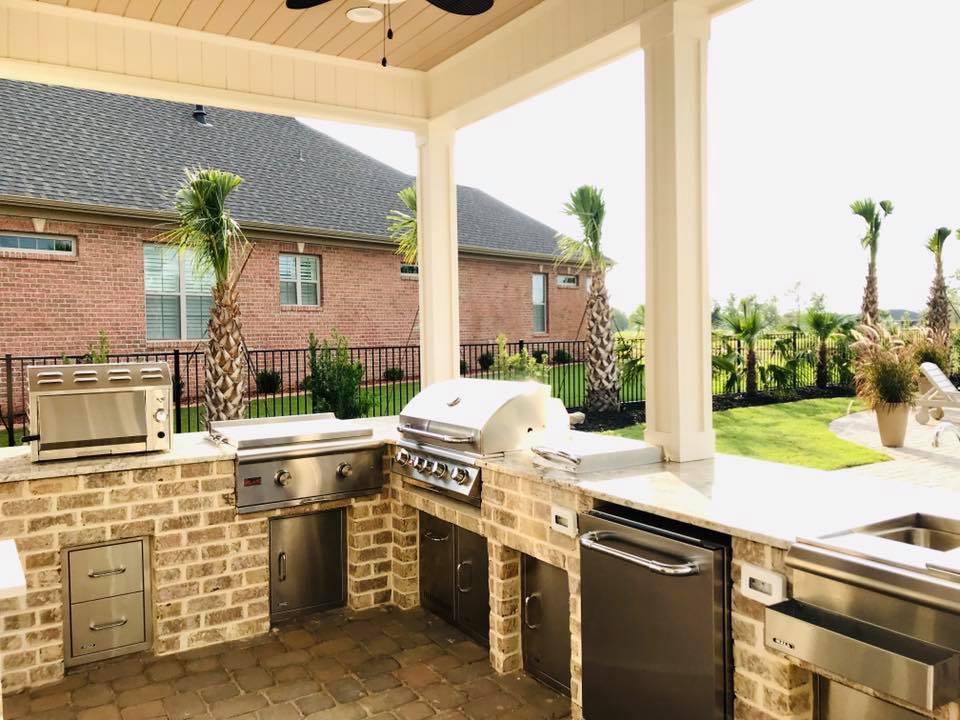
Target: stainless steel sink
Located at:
point(920, 530)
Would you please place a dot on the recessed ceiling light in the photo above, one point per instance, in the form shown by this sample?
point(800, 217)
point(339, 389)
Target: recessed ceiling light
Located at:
point(364, 14)
point(387, 2)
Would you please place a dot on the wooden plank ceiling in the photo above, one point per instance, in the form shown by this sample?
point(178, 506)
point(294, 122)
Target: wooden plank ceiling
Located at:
point(423, 34)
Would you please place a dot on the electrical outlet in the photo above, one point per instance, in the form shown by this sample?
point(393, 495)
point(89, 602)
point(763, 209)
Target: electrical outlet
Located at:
point(563, 520)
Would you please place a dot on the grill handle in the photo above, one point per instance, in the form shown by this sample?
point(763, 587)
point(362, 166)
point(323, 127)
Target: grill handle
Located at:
point(439, 437)
point(557, 455)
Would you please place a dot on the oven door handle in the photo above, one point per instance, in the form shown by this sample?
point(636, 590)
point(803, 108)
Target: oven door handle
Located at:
point(592, 541)
point(439, 437)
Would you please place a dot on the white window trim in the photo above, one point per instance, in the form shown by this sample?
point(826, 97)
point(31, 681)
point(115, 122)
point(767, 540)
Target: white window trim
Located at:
point(298, 258)
point(545, 304)
point(568, 285)
point(182, 295)
point(41, 236)
point(409, 275)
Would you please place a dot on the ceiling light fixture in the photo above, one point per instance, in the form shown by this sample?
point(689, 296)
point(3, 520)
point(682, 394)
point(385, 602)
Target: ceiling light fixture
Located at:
point(365, 15)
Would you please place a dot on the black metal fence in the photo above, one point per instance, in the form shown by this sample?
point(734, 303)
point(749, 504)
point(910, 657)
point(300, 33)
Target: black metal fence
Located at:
point(276, 383)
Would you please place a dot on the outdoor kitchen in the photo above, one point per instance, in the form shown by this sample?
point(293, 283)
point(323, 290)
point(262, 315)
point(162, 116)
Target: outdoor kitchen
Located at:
point(583, 561)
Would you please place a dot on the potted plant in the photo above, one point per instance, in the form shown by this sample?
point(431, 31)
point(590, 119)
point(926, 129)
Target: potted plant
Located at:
point(886, 379)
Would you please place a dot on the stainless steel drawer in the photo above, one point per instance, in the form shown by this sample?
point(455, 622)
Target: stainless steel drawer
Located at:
point(107, 624)
point(105, 571)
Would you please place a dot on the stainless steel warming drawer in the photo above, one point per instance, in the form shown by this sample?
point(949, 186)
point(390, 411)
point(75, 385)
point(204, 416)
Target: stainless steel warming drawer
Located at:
point(108, 606)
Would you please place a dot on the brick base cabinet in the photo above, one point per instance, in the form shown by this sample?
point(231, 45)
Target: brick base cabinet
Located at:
point(211, 573)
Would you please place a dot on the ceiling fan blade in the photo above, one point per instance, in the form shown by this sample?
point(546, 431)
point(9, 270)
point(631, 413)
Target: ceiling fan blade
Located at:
point(463, 7)
point(304, 4)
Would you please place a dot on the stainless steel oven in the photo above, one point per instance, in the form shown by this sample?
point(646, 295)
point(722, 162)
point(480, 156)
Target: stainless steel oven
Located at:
point(80, 410)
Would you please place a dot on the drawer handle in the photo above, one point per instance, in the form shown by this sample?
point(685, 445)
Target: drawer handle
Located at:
point(282, 566)
point(108, 626)
point(460, 566)
point(526, 610)
point(106, 573)
point(435, 538)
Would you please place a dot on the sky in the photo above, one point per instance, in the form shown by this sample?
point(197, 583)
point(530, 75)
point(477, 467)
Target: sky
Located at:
point(812, 104)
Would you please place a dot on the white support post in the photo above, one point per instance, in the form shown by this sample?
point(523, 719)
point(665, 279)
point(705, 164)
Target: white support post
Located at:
point(678, 372)
point(437, 256)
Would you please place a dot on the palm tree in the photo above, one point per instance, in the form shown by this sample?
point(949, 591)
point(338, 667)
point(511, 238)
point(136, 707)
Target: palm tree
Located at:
point(747, 324)
point(206, 229)
point(938, 307)
point(586, 204)
point(823, 324)
point(873, 216)
point(403, 225)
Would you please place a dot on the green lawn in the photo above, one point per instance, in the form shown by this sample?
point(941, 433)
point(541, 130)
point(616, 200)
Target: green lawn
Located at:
point(796, 433)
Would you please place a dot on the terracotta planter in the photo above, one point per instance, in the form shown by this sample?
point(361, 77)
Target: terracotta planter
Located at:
point(892, 423)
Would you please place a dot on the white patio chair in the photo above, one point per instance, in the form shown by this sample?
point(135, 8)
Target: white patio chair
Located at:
point(942, 393)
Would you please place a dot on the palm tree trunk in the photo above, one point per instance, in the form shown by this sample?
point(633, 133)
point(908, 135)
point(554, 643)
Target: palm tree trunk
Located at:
point(938, 309)
point(225, 364)
point(822, 378)
point(751, 371)
point(601, 392)
point(870, 309)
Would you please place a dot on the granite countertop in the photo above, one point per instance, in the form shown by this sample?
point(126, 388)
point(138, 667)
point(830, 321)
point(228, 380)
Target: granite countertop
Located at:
point(756, 500)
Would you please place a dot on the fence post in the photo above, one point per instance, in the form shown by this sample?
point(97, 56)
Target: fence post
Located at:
point(520, 346)
point(177, 391)
point(8, 363)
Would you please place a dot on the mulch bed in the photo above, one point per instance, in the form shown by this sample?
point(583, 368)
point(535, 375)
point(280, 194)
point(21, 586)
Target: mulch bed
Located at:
point(633, 413)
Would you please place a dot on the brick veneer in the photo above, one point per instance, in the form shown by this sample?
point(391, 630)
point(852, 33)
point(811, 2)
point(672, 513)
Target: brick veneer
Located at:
point(54, 305)
point(210, 565)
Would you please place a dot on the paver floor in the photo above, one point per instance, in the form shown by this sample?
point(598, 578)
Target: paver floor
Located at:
point(382, 664)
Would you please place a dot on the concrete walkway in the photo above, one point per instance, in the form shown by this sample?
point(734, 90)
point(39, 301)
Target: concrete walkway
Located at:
point(918, 462)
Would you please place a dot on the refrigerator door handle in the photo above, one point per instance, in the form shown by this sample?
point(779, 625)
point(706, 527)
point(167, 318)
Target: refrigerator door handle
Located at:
point(282, 566)
point(592, 541)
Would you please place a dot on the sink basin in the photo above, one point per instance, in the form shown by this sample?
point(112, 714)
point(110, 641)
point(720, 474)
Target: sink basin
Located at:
point(927, 531)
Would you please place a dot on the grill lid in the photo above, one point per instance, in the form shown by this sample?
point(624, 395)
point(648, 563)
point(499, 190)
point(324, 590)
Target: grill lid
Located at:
point(485, 417)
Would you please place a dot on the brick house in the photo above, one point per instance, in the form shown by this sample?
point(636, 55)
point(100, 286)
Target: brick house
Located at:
point(87, 183)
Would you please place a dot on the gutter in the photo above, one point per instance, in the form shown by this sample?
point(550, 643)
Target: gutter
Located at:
point(254, 229)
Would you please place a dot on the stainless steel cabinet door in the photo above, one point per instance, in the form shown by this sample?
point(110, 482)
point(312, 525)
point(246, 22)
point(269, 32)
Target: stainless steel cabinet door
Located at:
point(473, 593)
point(653, 633)
point(546, 623)
point(437, 559)
point(307, 563)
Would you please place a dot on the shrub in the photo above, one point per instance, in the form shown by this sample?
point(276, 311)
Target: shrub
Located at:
point(485, 361)
point(886, 369)
point(393, 374)
point(99, 354)
point(927, 348)
point(334, 379)
point(540, 355)
point(521, 365)
point(269, 382)
point(561, 357)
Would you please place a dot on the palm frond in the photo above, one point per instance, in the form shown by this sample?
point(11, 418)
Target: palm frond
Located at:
point(746, 323)
point(936, 241)
point(587, 205)
point(822, 323)
point(403, 225)
point(886, 206)
point(205, 227)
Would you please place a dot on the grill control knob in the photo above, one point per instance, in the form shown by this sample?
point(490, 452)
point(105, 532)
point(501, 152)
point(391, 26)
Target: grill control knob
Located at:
point(283, 477)
point(459, 476)
point(439, 470)
point(402, 457)
point(160, 416)
point(419, 463)
point(344, 470)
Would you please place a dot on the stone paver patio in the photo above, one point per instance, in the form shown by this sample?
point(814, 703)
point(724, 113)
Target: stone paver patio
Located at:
point(382, 664)
point(918, 462)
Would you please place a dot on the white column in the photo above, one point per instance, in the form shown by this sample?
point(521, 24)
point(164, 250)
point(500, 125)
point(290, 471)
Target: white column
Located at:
point(678, 373)
point(437, 256)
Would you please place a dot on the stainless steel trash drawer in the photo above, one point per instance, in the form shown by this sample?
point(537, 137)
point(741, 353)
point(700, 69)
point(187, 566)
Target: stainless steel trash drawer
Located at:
point(107, 624)
point(106, 570)
point(901, 666)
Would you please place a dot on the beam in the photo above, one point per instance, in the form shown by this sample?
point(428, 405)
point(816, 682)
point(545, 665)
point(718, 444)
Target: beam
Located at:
point(53, 44)
point(678, 363)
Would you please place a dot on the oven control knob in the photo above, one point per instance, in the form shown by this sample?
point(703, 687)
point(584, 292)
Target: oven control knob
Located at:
point(283, 477)
point(459, 475)
point(439, 470)
point(402, 457)
point(160, 416)
point(419, 463)
point(344, 470)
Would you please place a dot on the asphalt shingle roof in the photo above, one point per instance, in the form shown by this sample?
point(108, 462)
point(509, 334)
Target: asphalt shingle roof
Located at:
point(102, 149)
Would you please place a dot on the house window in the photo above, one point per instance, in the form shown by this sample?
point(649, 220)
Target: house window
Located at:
point(568, 281)
point(299, 280)
point(540, 302)
point(177, 294)
point(409, 271)
point(21, 242)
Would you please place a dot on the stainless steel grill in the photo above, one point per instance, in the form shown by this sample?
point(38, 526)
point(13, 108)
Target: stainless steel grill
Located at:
point(448, 427)
point(286, 461)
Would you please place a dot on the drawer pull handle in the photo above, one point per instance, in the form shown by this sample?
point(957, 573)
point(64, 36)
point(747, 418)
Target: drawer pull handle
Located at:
point(435, 538)
point(107, 573)
point(108, 626)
